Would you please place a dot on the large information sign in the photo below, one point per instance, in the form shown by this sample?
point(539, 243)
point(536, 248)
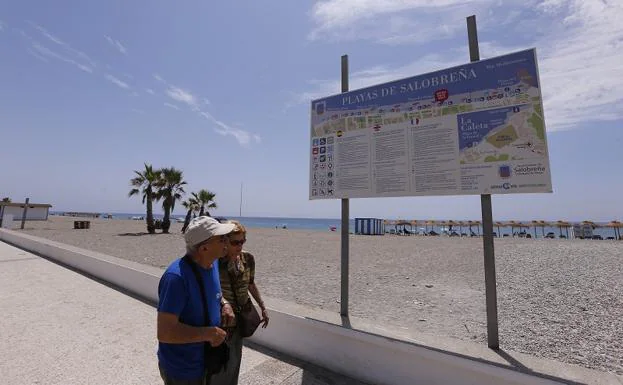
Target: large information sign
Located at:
point(472, 129)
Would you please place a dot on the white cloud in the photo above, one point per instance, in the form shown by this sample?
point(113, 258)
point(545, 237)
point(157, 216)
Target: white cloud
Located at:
point(37, 56)
point(243, 137)
point(117, 45)
point(391, 21)
point(150, 91)
point(580, 62)
point(182, 96)
point(118, 82)
point(171, 106)
point(138, 111)
point(65, 45)
point(2, 25)
point(579, 45)
point(46, 52)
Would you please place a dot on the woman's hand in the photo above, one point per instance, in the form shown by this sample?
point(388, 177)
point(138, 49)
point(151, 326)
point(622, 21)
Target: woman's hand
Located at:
point(264, 321)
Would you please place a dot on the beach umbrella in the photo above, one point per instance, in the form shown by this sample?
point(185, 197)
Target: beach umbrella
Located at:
point(413, 223)
point(561, 224)
point(543, 225)
point(477, 223)
point(432, 225)
point(470, 224)
point(442, 224)
point(404, 225)
point(512, 224)
point(452, 224)
point(499, 224)
point(616, 227)
point(535, 224)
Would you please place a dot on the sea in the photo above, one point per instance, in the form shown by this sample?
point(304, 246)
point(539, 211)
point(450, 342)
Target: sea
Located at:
point(334, 224)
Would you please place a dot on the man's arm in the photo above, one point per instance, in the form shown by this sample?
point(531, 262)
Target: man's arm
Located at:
point(172, 331)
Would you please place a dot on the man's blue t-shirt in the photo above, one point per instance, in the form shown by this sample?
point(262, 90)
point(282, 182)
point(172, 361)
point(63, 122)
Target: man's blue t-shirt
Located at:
point(179, 293)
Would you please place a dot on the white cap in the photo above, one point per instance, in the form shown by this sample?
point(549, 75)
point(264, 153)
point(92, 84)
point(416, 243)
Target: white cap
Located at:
point(202, 228)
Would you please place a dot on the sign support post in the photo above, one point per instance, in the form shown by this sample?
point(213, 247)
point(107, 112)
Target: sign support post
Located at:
point(345, 222)
point(487, 223)
point(24, 213)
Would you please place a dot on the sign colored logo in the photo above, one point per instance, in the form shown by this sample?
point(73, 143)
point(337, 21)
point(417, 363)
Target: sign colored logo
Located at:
point(505, 171)
point(441, 95)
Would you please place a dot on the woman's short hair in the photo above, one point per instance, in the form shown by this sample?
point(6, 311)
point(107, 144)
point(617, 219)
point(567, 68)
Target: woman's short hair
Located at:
point(239, 229)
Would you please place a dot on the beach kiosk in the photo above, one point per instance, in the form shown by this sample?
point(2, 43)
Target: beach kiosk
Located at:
point(369, 226)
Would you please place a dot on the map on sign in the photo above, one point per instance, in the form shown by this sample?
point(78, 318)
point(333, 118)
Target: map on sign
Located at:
point(512, 133)
point(478, 128)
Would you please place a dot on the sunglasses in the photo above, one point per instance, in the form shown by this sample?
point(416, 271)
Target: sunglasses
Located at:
point(237, 242)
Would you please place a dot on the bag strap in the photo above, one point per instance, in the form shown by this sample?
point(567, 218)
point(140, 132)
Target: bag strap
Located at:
point(233, 290)
point(204, 302)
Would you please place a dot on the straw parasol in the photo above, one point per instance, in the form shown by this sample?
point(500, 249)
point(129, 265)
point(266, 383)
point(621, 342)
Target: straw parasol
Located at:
point(512, 224)
point(414, 223)
point(477, 223)
point(452, 224)
point(535, 224)
point(500, 224)
point(404, 225)
point(616, 227)
point(566, 225)
point(431, 223)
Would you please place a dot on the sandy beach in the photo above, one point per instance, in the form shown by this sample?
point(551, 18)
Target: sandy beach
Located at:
point(559, 299)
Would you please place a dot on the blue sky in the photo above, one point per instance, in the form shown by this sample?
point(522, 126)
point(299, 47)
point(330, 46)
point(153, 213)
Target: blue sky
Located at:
point(221, 90)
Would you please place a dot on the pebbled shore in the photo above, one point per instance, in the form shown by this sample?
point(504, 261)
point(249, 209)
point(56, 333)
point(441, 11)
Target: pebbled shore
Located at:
point(558, 299)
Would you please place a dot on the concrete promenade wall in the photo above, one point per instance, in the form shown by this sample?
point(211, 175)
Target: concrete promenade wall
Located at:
point(320, 339)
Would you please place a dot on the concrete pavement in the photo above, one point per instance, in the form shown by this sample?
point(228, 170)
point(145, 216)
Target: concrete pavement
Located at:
point(60, 327)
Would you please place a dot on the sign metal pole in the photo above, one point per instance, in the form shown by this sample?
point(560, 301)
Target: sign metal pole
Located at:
point(487, 223)
point(345, 222)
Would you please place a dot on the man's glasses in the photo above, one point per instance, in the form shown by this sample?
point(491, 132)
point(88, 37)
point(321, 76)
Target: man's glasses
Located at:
point(236, 242)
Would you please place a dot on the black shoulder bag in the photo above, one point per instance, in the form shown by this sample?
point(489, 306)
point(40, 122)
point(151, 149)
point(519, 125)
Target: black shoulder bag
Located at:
point(215, 358)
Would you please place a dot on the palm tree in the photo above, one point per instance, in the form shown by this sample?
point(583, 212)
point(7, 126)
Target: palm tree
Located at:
point(192, 205)
point(206, 200)
point(170, 190)
point(144, 183)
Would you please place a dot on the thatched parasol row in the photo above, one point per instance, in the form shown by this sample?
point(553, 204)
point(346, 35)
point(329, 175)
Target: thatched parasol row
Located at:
point(615, 225)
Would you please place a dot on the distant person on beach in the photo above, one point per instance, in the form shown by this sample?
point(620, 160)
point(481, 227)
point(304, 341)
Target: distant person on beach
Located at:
point(237, 274)
point(190, 305)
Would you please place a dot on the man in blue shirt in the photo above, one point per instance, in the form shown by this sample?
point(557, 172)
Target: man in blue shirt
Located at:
point(182, 331)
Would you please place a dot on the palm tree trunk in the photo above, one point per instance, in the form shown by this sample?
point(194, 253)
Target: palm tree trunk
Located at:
point(187, 220)
point(166, 221)
point(201, 211)
point(151, 228)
